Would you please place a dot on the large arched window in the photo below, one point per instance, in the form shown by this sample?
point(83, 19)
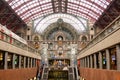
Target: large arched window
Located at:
point(78, 23)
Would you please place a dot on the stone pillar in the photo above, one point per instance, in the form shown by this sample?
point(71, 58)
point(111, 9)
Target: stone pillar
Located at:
point(82, 65)
point(13, 62)
point(118, 56)
point(5, 61)
point(91, 61)
point(108, 58)
point(31, 62)
point(34, 62)
point(88, 62)
point(28, 63)
point(24, 62)
point(95, 66)
point(100, 60)
point(19, 61)
point(85, 62)
point(82, 62)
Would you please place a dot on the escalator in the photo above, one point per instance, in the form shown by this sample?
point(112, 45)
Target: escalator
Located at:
point(59, 74)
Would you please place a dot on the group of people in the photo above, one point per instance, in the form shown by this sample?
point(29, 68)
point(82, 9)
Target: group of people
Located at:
point(60, 64)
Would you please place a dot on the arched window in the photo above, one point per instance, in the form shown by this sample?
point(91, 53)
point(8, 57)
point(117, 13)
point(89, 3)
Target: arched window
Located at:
point(60, 38)
point(84, 38)
point(36, 38)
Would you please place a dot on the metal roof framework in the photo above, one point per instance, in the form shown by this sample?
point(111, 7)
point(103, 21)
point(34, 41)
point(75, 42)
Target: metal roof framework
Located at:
point(32, 9)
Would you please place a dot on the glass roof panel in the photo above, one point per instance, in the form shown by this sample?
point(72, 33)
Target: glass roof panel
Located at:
point(89, 9)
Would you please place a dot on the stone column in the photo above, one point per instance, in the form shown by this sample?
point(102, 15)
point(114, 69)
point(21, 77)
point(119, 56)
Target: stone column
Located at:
point(95, 66)
point(88, 62)
point(108, 58)
point(100, 60)
point(19, 61)
point(81, 62)
point(28, 63)
point(24, 62)
point(118, 56)
point(34, 62)
point(91, 61)
point(5, 61)
point(13, 62)
point(85, 61)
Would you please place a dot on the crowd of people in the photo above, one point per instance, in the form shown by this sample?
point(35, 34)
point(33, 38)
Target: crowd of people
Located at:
point(58, 64)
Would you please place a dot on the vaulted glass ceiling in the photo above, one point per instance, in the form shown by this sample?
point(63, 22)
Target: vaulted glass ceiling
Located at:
point(32, 9)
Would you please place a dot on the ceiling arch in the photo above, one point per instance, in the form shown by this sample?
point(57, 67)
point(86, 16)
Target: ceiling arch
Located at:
point(78, 23)
point(32, 9)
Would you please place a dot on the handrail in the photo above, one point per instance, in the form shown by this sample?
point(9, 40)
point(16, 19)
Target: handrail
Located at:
point(77, 75)
point(105, 32)
point(15, 42)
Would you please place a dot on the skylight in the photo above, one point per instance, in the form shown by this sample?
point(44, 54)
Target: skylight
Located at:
point(32, 9)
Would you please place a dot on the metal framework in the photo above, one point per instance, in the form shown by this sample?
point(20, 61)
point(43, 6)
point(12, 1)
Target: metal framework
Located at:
point(32, 9)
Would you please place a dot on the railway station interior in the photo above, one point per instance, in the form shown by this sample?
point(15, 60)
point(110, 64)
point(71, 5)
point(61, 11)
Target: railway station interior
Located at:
point(59, 39)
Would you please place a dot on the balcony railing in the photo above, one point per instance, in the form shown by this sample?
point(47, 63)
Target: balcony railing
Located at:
point(8, 39)
point(111, 28)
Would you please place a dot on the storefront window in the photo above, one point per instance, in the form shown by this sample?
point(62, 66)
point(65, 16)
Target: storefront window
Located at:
point(2, 60)
point(113, 61)
point(97, 60)
point(29, 62)
point(26, 65)
point(104, 61)
point(22, 61)
point(16, 62)
point(89, 61)
point(32, 62)
point(9, 60)
point(93, 61)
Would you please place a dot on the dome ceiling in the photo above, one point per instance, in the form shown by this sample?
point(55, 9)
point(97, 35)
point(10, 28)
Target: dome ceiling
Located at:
point(33, 9)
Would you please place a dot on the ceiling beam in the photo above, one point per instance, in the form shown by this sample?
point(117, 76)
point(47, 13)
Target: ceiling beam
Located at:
point(66, 4)
point(53, 5)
